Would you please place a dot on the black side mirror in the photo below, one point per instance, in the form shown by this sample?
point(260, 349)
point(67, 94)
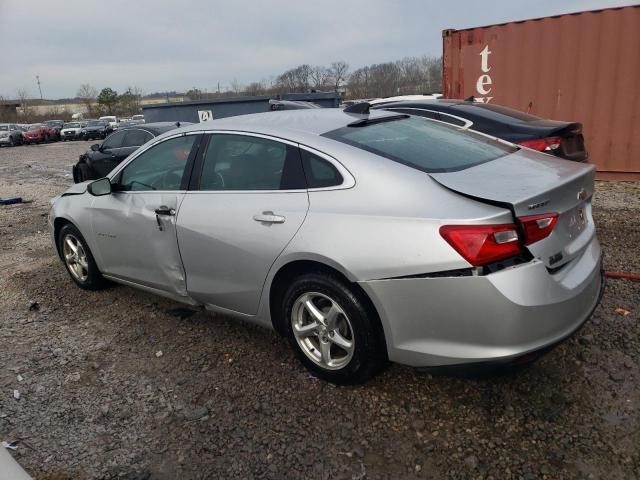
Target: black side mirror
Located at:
point(99, 187)
point(95, 147)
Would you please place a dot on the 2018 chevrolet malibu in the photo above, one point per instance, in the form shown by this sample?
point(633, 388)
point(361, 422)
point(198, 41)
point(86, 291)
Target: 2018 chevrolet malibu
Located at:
point(362, 237)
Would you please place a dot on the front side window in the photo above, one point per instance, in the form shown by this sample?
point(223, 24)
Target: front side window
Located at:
point(239, 162)
point(113, 141)
point(162, 167)
point(424, 145)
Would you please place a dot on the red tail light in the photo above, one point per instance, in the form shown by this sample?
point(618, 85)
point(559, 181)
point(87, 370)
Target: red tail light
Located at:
point(542, 144)
point(537, 227)
point(483, 244)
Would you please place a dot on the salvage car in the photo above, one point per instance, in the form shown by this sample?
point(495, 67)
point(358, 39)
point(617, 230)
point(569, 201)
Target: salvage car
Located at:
point(96, 129)
point(55, 126)
point(37, 133)
point(10, 135)
point(360, 236)
point(563, 139)
point(71, 131)
point(102, 158)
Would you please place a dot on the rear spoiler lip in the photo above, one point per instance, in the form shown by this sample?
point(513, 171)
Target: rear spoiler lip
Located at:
point(551, 127)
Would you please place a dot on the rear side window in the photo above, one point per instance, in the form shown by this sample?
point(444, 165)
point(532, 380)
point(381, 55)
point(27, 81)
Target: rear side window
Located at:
point(319, 172)
point(241, 162)
point(136, 137)
point(424, 145)
point(113, 141)
point(417, 111)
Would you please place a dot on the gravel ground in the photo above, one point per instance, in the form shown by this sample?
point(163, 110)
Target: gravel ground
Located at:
point(116, 384)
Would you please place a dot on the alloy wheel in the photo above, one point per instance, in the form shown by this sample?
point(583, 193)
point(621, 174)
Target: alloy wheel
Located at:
point(322, 330)
point(75, 258)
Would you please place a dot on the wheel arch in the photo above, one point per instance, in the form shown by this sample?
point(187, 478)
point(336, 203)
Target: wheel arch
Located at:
point(288, 272)
point(58, 223)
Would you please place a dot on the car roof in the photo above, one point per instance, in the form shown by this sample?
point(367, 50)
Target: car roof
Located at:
point(156, 128)
point(283, 123)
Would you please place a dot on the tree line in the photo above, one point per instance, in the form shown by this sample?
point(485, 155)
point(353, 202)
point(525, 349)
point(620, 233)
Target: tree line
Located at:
point(410, 75)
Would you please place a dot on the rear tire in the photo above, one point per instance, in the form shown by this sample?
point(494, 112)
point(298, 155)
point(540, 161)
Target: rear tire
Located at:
point(332, 330)
point(78, 259)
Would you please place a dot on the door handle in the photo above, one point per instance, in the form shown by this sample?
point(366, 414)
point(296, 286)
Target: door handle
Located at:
point(164, 210)
point(269, 217)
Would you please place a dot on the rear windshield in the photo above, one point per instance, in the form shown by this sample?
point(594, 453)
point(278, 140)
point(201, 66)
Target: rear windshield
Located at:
point(423, 144)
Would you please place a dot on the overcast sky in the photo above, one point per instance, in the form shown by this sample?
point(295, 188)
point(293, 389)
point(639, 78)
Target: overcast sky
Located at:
point(162, 45)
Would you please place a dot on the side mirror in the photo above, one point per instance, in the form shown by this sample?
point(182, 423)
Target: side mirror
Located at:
point(99, 187)
point(95, 147)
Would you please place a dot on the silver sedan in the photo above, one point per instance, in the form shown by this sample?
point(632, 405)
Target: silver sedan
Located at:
point(361, 237)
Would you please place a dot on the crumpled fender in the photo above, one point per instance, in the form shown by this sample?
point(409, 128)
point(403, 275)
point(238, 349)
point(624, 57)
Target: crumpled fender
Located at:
point(77, 189)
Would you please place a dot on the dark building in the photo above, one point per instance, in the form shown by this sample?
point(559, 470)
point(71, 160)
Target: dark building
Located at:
point(201, 110)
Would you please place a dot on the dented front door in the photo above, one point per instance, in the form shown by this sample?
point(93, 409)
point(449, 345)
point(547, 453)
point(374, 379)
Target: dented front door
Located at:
point(135, 233)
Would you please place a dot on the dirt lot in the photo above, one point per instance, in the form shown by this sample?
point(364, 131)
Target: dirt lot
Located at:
point(228, 400)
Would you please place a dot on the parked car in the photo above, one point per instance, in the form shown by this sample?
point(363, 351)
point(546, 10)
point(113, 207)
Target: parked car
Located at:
point(138, 118)
point(563, 139)
point(96, 129)
point(102, 158)
point(72, 131)
point(112, 119)
point(359, 236)
point(37, 133)
point(10, 135)
point(55, 126)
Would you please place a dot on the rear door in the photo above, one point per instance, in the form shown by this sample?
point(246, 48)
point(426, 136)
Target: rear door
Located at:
point(250, 199)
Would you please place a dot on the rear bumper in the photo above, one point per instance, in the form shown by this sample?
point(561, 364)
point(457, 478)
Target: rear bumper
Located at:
point(493, 318)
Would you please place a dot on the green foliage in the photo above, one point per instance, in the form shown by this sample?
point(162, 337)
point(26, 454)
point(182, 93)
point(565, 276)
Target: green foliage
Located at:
point(108, 98)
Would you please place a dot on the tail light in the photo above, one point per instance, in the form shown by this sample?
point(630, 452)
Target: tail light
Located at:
point(537, 227)
point(548, 144)
point(483, 244)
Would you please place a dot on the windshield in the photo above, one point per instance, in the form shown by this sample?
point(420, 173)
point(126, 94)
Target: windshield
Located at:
point(4, 128)
point(71, 125)
point(95, 123)
point(422, 144)
point(35, 127)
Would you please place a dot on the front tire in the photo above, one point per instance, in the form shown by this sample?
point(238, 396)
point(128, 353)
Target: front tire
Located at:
point(332, 330)
point(78, 259)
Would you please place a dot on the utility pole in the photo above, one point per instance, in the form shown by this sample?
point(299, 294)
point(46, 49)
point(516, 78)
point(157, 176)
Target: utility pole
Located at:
point(39, 87)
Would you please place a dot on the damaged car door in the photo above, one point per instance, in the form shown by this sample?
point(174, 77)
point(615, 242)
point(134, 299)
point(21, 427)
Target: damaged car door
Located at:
point(135, 226)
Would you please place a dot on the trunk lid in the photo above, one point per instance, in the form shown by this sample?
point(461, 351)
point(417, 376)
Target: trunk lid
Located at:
point(530, 183)
point(572, 142)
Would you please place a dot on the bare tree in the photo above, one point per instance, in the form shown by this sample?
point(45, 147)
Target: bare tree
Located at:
point(319, 77)
point(23, 96)
point(87, 94)
point(236, 86)
point(255, 88)
point(338, 72)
